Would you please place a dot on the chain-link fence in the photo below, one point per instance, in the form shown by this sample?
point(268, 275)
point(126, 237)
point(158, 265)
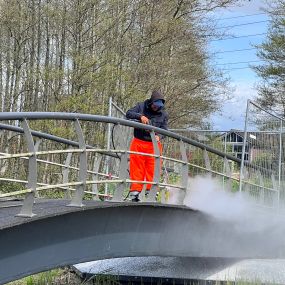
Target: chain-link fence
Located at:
point(205, 163)
point(262, 170)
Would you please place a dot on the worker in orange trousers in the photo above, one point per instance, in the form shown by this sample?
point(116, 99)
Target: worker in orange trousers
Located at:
point(151, 111)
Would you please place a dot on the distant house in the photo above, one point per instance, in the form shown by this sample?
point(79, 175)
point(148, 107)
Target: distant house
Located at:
point(259, 146)
point(233, 141)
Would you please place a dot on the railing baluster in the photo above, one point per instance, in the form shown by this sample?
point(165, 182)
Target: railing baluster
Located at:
point(162, 196)
point(27, 208)
point(143, 192)
point(37, 146)
point(79, 192)
point(207, 160)
point(154, 187)
point(184, 173)
point(123, 174)
point(228, 172)
point(97, 162)
point(65, 174)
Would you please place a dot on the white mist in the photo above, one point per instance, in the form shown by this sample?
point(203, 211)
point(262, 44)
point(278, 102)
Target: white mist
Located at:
point(206, 194)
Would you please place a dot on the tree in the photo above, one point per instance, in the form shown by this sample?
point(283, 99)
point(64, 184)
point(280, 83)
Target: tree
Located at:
point(72, 55)
point(272, 87)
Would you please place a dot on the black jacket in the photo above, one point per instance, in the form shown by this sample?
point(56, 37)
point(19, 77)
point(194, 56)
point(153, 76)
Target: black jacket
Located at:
point(157, 119)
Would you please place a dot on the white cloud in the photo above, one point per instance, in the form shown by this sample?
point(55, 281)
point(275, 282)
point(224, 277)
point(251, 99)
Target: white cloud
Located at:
point(244, 79)
point(248, 7)
point(233, 112)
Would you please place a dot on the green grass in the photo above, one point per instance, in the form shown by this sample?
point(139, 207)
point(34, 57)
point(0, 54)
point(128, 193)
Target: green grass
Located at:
point(65, 277)
point(53, 277)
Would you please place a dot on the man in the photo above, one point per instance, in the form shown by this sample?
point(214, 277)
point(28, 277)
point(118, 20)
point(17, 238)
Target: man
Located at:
point(150, 112)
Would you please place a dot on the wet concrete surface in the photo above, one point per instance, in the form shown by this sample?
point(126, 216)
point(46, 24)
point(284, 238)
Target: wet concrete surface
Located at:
point(179, 270)
point(42, 208)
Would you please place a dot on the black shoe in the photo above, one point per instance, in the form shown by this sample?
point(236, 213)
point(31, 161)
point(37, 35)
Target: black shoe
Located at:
point(134, 196)
point(136, 199)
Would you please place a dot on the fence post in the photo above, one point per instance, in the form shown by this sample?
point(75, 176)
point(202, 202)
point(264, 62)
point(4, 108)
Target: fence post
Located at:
point(243, 146)
point(27, 208)
point(280, 161)
point(184, 172)
point(225, 159)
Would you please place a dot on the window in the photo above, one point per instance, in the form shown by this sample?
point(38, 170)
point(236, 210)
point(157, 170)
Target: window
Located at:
point(238, 148)
point(233, 137)
point(239, 155)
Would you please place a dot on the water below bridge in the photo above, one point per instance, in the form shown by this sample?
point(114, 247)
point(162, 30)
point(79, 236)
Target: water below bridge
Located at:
point(181, 270)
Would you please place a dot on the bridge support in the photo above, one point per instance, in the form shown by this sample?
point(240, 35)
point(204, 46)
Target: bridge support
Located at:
point(110, 230)
point(27, 208)
point(79, 192)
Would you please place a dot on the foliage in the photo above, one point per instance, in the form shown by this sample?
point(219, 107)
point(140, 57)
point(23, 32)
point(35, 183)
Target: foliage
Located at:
point(272, 52)
point(72, 55)
point(43, 278)
point(7, 186)
point(102, 279)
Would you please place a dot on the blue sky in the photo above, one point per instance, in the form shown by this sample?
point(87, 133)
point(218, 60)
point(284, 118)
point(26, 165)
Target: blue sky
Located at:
point(248, 19)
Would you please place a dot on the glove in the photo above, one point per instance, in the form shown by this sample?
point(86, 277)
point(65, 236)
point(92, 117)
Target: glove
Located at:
point(144, 120)
point(157, 138)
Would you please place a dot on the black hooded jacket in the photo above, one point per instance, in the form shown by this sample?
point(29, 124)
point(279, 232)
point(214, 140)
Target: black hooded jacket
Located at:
point(157, 119)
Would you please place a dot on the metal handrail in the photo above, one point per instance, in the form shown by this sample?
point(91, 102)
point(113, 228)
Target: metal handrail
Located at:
point(103, 119)
point(106, 119)
point(83, 149)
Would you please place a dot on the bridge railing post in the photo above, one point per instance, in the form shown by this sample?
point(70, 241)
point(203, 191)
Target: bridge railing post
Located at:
point(37, 146)
point(27, 208)
point(228, 172)
point(65, 174)
point(157, 165)
point(123, 174)
point(96, 165)
point(207, 161)
point(184, 172)
point(79, 192)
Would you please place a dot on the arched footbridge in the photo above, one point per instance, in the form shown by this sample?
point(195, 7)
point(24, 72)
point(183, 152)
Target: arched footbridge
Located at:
point(55, 209)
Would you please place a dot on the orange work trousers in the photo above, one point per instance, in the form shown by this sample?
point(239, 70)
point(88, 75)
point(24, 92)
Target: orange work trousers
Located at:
point(141, 166)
